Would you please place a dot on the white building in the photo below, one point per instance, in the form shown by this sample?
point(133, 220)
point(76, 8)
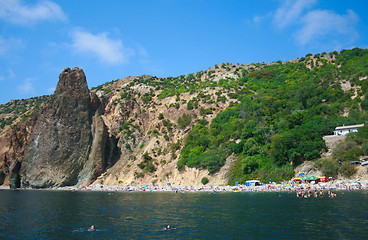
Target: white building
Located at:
point(343, 130)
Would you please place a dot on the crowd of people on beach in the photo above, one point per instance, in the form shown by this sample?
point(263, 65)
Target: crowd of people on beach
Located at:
point(303, 190)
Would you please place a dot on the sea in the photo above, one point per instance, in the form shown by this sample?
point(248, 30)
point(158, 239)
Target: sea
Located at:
point(46, 214)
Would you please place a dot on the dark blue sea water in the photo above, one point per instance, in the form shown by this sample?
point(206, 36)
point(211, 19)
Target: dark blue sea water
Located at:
point(133, 215)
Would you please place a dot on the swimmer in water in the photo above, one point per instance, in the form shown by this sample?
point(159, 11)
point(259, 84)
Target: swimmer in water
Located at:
point(168, 227)
point(92, 228)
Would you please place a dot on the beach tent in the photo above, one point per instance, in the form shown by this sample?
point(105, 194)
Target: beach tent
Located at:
point(252, 183)
point(305, 178)
point(323, 179)
point(309, 179)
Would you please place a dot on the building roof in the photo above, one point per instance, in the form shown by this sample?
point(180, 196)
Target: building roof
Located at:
point(349, 127)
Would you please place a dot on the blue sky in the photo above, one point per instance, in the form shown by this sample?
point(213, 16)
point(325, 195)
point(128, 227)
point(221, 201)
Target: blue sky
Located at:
point(118, 38)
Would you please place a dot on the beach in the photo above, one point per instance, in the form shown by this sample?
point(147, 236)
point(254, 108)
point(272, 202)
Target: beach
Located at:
point(336, 185)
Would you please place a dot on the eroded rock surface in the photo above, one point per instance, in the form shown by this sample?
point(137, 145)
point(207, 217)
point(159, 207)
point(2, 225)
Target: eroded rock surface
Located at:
point(61, 140)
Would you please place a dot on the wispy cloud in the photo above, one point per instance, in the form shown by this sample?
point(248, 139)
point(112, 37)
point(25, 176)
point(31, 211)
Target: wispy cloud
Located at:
point(318, 24)
point(8, 43)
point(10, 75)
point(290, 11)
point(312, 26)
point(27, 88)
point(18, 12)
point(101, 46)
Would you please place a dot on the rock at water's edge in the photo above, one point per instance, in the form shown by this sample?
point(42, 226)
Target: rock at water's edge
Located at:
point(61, 139)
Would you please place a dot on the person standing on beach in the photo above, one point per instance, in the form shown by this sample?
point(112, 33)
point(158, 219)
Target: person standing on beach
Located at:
point(320, 193)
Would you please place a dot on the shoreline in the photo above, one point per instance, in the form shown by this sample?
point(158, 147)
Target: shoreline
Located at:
point(338, 185)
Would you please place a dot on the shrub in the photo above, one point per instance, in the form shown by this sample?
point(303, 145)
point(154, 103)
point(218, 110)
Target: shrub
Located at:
point(329, 168)
point(139, 175)
point(347, 169)
point(167, 124)
point(190, 105)
point(150, 167)
point(127, 146)
point(184, 120)
point(166, 137)
point(181, 165)
point(204, 181)
point(204, 112)
point(365, 148)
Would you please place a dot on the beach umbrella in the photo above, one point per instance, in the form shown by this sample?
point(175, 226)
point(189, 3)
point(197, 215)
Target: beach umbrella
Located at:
point(305, 178)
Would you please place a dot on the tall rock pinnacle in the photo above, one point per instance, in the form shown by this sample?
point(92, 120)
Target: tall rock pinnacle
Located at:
point(61, 139)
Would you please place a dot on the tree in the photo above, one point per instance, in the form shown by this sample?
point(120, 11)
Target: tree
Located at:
point(204, 181)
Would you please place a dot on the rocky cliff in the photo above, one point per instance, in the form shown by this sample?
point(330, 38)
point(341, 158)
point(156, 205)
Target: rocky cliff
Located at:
point(68, 141)
point(135, 130)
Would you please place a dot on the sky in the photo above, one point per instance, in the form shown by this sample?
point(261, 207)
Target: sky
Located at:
point(114, 39)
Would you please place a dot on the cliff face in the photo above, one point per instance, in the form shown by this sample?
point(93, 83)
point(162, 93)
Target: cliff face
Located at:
point(12, 146)
point(133, 130)
point(58, 151)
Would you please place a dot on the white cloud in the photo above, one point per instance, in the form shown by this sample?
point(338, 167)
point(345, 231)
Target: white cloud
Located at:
point(10, 75)
point(257, 20)
point(18, 12)
point(290, 11)
point(318, 24)
point(106, 49)
point(314, 27)
point(27, 87)
point(7, 44)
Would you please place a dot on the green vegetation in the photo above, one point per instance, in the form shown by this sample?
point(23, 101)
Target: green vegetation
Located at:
point(20, 109)
point(282, 114)
point(350, 150)
point(184, 120)
point(275, 121)
point(147, 164)
point(204, 181)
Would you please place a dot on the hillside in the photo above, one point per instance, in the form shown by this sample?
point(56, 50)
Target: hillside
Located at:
point(229, 123)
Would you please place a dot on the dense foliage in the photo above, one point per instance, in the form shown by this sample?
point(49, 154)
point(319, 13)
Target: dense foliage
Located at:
point(283, 110)
point(346, 154)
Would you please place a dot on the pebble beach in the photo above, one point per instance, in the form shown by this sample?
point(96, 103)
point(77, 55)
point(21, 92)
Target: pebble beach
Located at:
point(338, 185)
